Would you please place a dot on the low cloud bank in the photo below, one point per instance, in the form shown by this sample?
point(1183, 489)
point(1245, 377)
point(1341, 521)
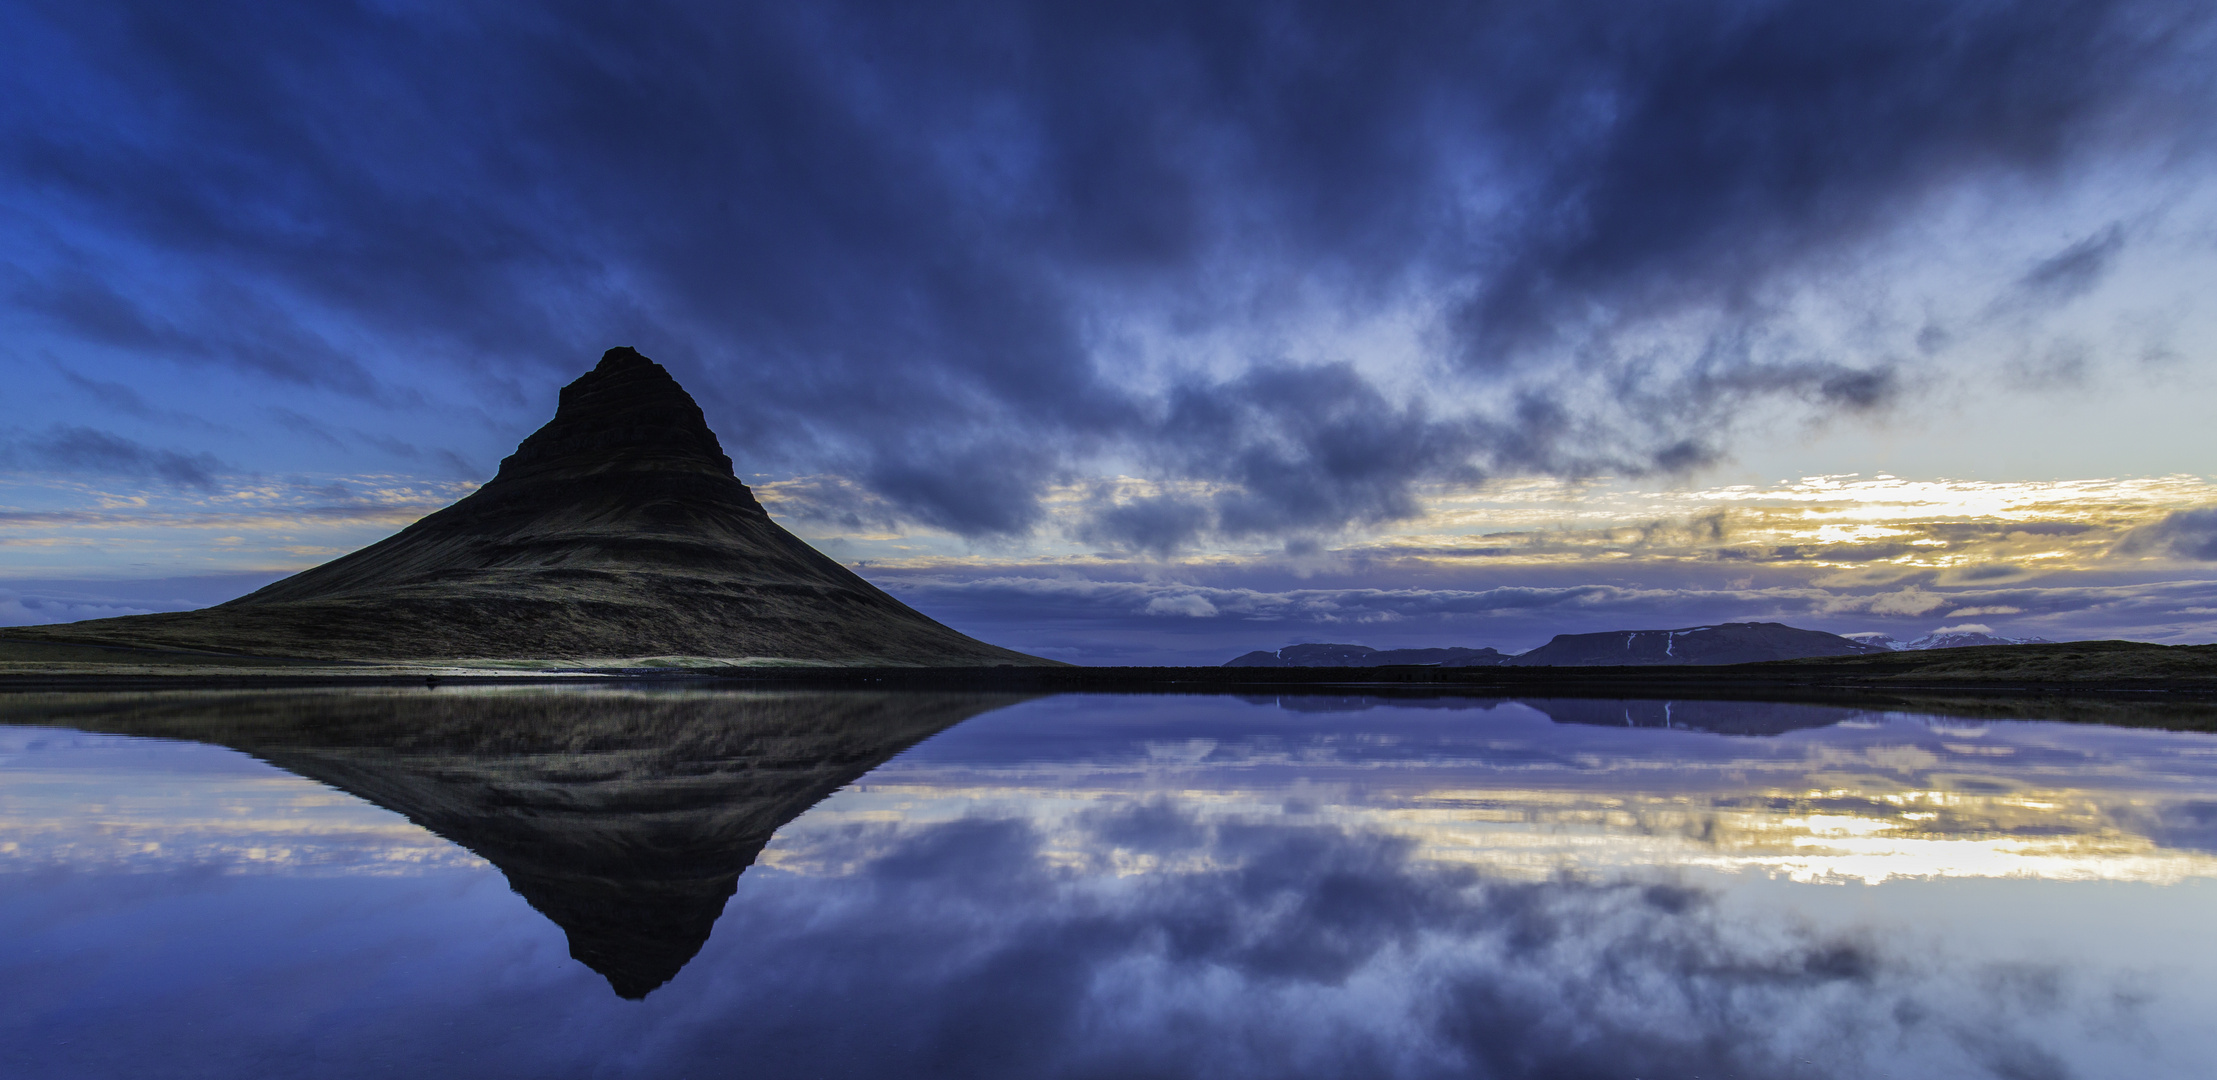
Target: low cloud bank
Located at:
point(1203, 617)
point(90, 452)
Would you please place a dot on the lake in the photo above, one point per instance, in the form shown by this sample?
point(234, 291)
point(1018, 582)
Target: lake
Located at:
point(614, 881)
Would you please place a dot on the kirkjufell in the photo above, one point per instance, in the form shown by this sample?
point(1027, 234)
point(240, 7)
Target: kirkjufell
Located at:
point(616, 533)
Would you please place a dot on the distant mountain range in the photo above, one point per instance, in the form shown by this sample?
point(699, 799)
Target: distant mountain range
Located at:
point(1965, 638)
point(1364, 656)
point(1720, 643)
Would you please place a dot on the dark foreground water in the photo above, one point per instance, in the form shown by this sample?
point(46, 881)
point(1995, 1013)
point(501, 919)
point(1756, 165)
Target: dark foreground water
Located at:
point(395, 883)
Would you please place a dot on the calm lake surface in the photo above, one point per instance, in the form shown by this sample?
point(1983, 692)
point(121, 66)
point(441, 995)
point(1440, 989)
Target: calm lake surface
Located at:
point(616, 883)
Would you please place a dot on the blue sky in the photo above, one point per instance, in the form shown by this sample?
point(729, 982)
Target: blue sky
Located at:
point(1151, 332)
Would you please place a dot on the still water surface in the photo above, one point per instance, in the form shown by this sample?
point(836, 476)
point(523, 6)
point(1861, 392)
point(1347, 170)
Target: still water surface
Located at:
point(588, 883)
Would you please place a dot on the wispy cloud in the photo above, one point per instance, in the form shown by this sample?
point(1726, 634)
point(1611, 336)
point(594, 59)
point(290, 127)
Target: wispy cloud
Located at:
point(88, 451)
point(79, 529)
point(1311, 260)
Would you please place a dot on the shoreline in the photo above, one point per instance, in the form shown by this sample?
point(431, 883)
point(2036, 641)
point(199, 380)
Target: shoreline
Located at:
point(1720, 682)
point(2108, 668)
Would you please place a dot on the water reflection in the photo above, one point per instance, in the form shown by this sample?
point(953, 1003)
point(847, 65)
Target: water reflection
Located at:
point(1526, 787)
point(625, 819)
point(1103, 886)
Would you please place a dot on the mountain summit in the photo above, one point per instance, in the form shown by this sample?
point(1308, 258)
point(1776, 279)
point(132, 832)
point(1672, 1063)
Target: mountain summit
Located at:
point(617, 532)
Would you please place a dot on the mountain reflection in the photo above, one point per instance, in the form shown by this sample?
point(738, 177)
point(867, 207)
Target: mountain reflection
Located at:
point(624, 818)
point(1113, 885)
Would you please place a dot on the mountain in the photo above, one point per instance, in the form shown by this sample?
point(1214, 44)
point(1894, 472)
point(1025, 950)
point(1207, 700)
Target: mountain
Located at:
point(1968, 639)
point(1872, 637)
point(617, 532)
point(1723, 643)
point(1364, 656)
point(624, 818)
point(1961, 637)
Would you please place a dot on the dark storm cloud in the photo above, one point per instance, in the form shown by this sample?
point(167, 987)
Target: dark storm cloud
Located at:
point(896, 242)
point(242, 329)
point(90, 452)
point(1746, 134)
point(1319, 448)
point(1302, 448)
point(2184, 534)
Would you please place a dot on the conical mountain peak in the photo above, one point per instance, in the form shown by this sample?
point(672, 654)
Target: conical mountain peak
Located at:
point(626, 415)
point(616, 532)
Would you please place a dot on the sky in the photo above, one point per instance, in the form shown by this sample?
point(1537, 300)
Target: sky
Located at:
point(1151, 332)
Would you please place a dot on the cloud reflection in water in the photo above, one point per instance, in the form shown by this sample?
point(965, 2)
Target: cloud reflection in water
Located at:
point(1438, 891)
point(1111, 887)
point(1253, 949)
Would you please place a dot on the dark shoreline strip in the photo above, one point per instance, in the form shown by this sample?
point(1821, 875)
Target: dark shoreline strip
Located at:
point(1736, 681)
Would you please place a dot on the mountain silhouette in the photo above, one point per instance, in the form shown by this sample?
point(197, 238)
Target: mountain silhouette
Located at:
point(617, 532)
point(1719, 643)
point(625, 818)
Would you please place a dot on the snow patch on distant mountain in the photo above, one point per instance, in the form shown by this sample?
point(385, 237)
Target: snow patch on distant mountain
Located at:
point(1965, 636)
point(1874, 637)
point(1967, 639)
